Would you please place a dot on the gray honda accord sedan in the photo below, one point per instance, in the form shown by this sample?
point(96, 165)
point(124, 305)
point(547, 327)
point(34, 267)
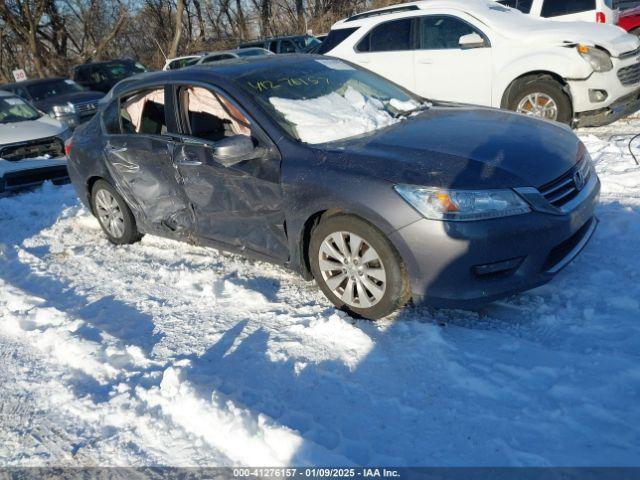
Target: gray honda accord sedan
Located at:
point(330, 170)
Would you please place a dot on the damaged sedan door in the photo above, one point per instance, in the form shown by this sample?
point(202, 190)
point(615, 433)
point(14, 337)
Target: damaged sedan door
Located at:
point(231, 173)
point(139, 154)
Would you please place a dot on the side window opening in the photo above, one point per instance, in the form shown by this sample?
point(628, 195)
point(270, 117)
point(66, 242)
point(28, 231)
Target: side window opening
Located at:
point(335, 38)
point(210, 116)
point(144, 113)
point(554, 8)
point(389, 36)
point(111, 119)
point(523, 5)
point(439, 32)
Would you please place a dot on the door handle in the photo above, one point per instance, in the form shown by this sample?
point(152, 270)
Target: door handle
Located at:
point(425, 61)
point(116, 149)
point(189, 161)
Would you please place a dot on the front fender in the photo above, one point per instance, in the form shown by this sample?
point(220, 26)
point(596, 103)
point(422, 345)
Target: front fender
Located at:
point(561, 62)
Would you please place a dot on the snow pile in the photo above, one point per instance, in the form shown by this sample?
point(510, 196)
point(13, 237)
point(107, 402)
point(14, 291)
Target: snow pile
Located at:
point(336, 116)
point(163, 353)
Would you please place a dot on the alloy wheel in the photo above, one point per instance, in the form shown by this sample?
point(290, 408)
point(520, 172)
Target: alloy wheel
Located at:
point(352, 269)
point(109, 213)
point(539, 105)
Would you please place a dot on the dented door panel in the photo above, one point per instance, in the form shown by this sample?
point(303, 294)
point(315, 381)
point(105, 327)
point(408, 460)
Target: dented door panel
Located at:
point(146, 175)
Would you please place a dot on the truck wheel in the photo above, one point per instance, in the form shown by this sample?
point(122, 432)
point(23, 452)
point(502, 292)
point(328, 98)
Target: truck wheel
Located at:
point(114, 214)
point(541, 97)
point(357, 268)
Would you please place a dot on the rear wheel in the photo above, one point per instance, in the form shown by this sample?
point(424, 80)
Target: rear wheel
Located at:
point(542, 97)
point(357, 268)
point(113, 214)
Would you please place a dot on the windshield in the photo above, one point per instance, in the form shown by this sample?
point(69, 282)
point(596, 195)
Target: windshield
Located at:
point(306, 42)
point(121, 70)
point(327, 99)
point(14, 109)
point(44, 90)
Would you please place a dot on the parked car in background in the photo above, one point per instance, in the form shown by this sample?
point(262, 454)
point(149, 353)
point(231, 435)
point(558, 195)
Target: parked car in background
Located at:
point(341, 175)
point(213, 57)
point(102, 76)
point(61, 98)
point(288, 44)
point(600, 11)
point(31, 145)
point(479, 52)
point(630, 20)
point(181, 62)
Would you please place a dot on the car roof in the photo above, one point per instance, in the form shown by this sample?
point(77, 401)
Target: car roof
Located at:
point(481, 9)
point(105, 62)
point(280, 37)
point(35, 81)
point(222, 71)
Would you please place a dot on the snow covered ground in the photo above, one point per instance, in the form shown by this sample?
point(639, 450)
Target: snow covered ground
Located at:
point(162, 353)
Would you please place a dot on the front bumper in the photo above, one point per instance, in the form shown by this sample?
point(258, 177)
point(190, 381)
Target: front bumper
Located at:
point(622, 108)
point(622, 99)
point(25, 174)
point(444, 259)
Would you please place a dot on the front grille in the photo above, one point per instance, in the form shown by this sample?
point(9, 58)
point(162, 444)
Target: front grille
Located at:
point(32, 177)
point(629, 75)
point(87, 108)
point(564, 189)
point(629, 54)
point(45, 147)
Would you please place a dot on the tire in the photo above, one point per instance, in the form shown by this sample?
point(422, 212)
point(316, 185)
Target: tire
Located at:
point(547, 88)
point(372, 297)
point(123, 230)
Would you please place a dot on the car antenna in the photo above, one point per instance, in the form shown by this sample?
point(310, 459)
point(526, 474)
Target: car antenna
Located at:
point(161, 51)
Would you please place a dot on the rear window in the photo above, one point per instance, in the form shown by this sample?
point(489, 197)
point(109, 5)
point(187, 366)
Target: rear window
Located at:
point(523, 5)
point(554, 8)
point(335, 38)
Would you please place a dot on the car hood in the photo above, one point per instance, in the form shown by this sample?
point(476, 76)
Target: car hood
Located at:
point(532, 30)
point(32, 130)
point(610, 37)
point(75, 98)
point(464, 147)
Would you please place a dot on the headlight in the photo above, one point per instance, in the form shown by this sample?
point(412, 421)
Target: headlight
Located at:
point(599, 60)
point(65, 109)
point(462, 205)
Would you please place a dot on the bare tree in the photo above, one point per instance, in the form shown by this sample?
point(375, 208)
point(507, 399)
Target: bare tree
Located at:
point(177, 32)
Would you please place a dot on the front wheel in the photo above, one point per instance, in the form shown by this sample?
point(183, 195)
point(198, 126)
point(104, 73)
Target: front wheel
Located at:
point(541, 97)
point(357, 268)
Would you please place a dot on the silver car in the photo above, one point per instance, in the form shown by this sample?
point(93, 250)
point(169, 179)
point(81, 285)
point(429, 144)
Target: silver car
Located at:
point(31, 145)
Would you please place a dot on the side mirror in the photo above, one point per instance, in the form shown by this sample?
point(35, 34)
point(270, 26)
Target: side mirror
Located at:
point(471, 40)
point(232, 150)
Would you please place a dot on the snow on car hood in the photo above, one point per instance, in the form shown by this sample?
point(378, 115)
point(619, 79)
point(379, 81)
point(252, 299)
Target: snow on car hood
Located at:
point(43, 127)
point(336, 116)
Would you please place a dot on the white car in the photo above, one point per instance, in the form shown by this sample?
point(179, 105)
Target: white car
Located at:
point(31, 146)
point(181, 62)
point(600, 11)
point(479, 52)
